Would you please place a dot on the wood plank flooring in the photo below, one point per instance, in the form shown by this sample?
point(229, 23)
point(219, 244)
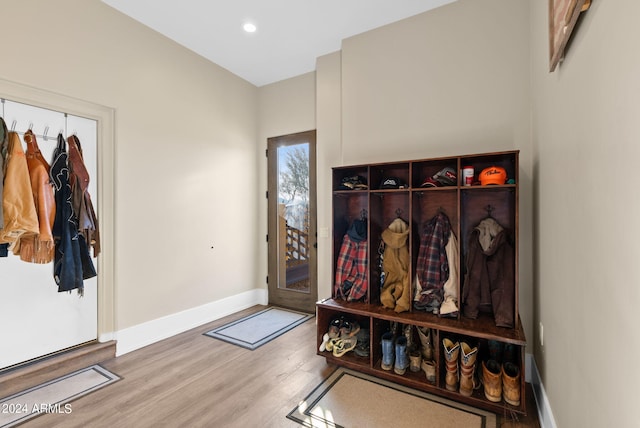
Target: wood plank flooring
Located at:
point(191, 380)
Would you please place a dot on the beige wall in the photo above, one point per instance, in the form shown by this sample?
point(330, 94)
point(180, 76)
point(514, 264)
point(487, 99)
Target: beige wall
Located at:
point(446, 82)
point(329, 154)
point(586, 143)
point(467, 77)
point(185, 155)
point(284, 107)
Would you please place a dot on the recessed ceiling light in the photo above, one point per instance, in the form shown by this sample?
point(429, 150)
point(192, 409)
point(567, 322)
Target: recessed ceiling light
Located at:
point(249, 27)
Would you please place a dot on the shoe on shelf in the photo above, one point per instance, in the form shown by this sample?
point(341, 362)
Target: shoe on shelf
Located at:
point(387, 351)
point(325, 340)
point(362, 348)
point(349, 329)
point(402, 359)
point(331, 343)
point(334, 328)
point(344, 345)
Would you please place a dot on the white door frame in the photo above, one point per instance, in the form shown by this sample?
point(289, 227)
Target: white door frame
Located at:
point(105, 182)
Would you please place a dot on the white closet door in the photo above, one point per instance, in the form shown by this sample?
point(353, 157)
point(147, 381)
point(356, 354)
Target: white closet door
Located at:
point(36, 320)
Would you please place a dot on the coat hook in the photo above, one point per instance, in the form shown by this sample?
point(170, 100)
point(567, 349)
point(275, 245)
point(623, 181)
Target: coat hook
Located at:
point(30, 126)
point(44, 134)
point(13, 125)
point(398, 213)
point(489, 208)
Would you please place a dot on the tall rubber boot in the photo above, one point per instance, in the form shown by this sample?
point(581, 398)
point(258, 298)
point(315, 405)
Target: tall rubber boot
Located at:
point(387, 351)
point(402, 359)
point(451, 351)
point(468, 380)
point(511, 383)
point(492, 380)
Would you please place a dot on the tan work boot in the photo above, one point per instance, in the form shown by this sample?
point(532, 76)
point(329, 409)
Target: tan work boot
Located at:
point(492, 379)
point(451, 351)
point(425, 341)
point(429, 368)
point(468, 380)
point(511, 383)
point(415, 360)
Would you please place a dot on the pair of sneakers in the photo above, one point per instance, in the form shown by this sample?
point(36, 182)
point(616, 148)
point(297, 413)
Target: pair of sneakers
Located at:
point(342, 328)
point(341, 337)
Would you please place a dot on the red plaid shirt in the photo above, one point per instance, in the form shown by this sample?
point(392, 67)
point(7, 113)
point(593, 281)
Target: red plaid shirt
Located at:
point(351, 270)
point(432, 265)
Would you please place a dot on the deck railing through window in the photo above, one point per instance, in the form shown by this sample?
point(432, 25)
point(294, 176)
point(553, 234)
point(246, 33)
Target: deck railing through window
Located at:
point(297, 246)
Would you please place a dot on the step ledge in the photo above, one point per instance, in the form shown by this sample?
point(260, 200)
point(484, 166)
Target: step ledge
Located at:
point(36, 372)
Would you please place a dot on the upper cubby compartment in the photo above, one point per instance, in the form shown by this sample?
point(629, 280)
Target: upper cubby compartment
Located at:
point(353, 178)
point(493, 169)
point(390, 176)
point(435, 174)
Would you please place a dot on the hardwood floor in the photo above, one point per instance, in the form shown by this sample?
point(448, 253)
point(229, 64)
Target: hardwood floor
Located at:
point(191, 380)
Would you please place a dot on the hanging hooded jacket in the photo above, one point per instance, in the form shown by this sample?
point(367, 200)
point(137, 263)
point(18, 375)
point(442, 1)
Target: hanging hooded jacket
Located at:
point(39, 248)
point(432, 269)
point(396, 291)
point(490, 277)
point(351, 282)
point(19, 211)
point(67, 266)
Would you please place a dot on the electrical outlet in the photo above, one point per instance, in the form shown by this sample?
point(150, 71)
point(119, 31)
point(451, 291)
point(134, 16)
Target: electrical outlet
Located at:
point(541, 335)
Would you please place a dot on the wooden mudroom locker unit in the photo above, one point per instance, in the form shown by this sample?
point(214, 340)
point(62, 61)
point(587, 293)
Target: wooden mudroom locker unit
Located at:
point(465, 207)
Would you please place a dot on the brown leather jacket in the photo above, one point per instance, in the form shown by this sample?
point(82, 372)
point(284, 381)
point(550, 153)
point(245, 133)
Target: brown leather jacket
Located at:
point(39, 248)
point(81, 200)
point(18, 208)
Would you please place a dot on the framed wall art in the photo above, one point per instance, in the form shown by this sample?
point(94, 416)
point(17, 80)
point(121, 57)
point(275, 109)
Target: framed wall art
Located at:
point(563, 15)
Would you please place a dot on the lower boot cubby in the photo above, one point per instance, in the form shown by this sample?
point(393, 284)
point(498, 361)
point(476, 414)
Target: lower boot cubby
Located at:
point(502, 358)
point(349, 340)
point(400, 351)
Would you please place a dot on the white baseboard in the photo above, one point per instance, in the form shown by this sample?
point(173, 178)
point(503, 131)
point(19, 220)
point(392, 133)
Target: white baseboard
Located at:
point(545, 415)
point(138, 336)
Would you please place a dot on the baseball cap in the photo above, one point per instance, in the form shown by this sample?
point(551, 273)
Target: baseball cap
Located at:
point(445, 177)
point(353, 182)
point(493, 175)
point(392, 183)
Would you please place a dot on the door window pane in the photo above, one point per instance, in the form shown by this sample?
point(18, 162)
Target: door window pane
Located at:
point(293, 217)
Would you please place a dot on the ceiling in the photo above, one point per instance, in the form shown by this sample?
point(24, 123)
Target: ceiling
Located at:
point(290, 34)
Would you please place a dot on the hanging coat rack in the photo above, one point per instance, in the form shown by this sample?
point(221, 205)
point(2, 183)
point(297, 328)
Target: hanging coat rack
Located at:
point(45, 134)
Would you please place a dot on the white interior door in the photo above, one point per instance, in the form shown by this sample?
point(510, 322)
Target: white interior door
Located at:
point(37, 320)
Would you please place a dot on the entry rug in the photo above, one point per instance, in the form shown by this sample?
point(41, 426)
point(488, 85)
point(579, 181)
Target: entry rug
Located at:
point(54, 396)
point(352, 399)
point(257, 329)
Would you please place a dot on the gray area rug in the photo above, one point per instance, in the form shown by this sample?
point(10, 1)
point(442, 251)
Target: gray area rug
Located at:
point(257, 329)
point(351, 399)
point(54, 396)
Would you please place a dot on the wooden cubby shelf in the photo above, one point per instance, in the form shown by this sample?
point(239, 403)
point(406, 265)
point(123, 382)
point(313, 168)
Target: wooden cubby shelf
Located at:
point(465, 207)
